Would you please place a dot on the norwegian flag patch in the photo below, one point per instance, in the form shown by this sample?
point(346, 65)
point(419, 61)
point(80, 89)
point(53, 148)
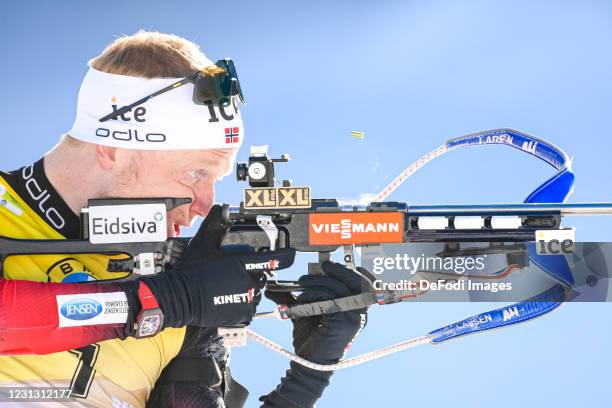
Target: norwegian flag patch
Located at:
point(232, 135)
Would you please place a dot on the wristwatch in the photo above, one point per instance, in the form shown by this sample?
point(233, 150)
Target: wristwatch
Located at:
point(150, 320)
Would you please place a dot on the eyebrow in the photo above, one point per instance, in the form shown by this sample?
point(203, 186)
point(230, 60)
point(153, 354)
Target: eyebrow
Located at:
point(222, 163)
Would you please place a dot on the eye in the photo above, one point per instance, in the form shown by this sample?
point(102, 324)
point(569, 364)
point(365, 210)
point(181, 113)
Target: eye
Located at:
point(191, 177)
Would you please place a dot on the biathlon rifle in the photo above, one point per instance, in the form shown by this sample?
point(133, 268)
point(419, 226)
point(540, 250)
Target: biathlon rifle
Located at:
point(279, 216)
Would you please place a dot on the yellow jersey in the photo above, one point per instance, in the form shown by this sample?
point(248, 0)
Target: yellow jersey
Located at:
point(111, 373)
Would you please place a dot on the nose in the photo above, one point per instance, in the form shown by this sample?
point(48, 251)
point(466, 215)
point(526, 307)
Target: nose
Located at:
point(204, 198)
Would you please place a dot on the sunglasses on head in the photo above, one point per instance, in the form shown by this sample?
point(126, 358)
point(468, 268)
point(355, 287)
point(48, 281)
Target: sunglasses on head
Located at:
point(214, 85)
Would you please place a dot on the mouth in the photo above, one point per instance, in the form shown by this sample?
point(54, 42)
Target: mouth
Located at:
point(174, 230)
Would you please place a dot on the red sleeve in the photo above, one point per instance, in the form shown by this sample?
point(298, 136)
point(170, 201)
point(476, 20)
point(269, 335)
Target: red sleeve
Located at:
point(29, 322)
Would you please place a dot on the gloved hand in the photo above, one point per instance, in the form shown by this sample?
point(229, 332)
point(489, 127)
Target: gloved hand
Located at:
point(322, 339)
point(212, 288)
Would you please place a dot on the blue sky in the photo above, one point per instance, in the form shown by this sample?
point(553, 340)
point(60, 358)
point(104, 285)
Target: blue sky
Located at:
point(410, 74)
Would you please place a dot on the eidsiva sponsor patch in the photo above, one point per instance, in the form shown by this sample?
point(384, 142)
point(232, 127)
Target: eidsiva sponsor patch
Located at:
point(92, 308)
point(127, 223)
point(355, 228)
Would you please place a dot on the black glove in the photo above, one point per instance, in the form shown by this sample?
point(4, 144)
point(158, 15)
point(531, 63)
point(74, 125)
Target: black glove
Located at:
point(210, 287)
point(322, 339)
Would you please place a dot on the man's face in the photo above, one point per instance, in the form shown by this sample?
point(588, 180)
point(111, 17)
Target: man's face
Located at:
point(191, 174)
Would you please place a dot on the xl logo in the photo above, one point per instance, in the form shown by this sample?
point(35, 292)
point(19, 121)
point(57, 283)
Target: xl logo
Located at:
point(277, 197)
point(261, 197)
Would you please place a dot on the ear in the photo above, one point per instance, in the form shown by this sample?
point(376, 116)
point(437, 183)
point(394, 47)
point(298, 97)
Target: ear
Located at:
point(106, 157)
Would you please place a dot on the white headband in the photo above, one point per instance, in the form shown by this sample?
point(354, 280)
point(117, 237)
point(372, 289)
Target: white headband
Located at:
point(170, 121)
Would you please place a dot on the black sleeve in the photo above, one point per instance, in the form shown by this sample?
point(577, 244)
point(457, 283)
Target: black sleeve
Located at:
point(189, 379)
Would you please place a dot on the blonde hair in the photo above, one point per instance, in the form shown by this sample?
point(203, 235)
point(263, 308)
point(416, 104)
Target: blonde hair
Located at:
point(149, 54)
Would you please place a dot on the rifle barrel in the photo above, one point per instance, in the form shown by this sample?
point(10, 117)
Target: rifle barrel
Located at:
point(512, 209)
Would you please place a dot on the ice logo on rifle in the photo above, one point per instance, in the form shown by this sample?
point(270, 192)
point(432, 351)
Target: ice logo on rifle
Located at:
point(81, 309)
point(555, 242)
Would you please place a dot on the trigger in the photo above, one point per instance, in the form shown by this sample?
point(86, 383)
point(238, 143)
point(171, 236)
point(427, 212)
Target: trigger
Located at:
point(349, 256)
point(267, 225)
